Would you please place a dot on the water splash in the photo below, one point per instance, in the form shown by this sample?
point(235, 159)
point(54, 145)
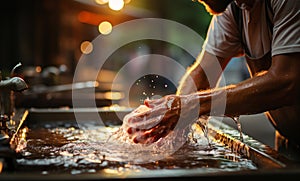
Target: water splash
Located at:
point(68, 149)
point(151, 85)
point(203, 123)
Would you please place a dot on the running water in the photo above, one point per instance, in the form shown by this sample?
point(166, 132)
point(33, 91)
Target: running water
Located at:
point(236, 119)
point(204, 120)
point(203, 123)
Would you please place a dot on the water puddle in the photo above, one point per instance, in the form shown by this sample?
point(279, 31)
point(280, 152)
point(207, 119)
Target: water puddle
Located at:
point(68, 149)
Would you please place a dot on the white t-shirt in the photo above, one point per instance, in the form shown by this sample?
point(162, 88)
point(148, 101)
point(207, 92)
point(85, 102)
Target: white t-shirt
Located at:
point(223, 38)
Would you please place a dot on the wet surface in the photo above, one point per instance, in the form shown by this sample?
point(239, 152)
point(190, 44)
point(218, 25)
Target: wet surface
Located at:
point(73, 149)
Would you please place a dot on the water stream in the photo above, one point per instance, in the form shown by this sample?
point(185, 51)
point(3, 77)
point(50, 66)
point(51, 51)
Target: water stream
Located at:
point(236, 119)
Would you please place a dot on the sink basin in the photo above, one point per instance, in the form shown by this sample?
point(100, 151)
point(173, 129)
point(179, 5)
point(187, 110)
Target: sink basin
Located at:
point(57, 147)
point(110, 115)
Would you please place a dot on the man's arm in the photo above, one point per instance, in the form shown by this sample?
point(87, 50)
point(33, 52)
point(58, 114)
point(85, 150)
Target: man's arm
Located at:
point(275, 88)
point(203, 74)
point(268, 90)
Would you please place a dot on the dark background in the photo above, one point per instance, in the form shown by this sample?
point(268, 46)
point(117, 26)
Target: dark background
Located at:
point(48, 32)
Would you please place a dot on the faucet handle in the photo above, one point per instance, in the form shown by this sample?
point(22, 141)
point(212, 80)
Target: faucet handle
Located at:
point(14, 69)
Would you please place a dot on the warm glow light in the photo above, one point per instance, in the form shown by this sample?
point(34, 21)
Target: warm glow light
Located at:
point(22, 139)
point(105, 27)
point(1, 166)
point(127, 1)
point(113, 95)
point(116, 4)
point(84, 16)
point(92, 18)
point(101, 1)
point(110, 171)
point(38, 69)
point(86, 47)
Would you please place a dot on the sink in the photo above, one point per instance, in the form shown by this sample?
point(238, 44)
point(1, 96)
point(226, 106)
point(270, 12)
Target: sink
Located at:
point(55, 147)
point(109, 115)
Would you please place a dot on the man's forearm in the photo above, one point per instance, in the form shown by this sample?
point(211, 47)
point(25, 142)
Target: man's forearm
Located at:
point(269, 90)
point(203, 74)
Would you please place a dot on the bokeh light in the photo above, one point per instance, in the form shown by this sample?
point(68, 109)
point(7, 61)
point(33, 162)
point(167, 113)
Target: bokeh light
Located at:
point(86, 47)
point(105, 27)
point(116, 4)
point(101, 1)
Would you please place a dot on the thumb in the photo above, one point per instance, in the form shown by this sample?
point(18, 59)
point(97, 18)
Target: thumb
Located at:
point(149, 103)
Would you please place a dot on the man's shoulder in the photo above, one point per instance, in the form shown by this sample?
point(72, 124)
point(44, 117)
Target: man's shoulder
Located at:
point(278, 4)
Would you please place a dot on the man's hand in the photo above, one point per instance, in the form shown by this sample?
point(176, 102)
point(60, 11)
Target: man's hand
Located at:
point(156, 122)
point(161, 118)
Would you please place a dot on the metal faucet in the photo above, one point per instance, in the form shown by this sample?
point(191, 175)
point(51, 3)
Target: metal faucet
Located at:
point(7, 89)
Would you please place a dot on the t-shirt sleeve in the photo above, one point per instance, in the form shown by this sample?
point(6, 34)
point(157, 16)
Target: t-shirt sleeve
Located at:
point(222, 37)
point(286, 31)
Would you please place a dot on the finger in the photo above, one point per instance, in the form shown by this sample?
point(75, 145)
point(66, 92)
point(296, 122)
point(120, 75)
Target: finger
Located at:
point(147, 124)
point(153, 139)
point(140, 137)
point(154, 102)
point(132, 130)
point(151, 135)
point(169, 119)
point(148, 115)
point(154, 134)
point(157, 123)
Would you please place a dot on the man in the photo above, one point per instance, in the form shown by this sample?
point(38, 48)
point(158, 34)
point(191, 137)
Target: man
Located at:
point(267, 33)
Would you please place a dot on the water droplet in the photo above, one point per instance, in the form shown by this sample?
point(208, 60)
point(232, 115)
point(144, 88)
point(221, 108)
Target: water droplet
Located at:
point(166, 85)
point(154, 87)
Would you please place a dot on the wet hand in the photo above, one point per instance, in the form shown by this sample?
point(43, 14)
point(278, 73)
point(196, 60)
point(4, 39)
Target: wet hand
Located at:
point(149, 124)
point(159, 119)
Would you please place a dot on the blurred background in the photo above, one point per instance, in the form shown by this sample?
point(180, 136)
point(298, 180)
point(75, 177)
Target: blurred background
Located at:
point(48, 37)
point(51, 33)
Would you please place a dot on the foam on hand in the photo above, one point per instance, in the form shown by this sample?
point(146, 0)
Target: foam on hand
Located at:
point(139, 110)
point(124, 139)
point(142, 120)
point(122, 134)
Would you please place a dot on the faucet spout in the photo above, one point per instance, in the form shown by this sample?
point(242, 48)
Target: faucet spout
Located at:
point(16, 84)
point(7, 89)
point(7, 105)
